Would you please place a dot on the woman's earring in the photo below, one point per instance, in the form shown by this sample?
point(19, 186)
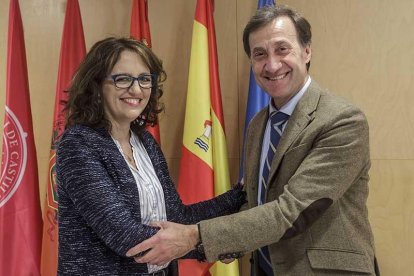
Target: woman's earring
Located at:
point(141, 120)
point(99, 98)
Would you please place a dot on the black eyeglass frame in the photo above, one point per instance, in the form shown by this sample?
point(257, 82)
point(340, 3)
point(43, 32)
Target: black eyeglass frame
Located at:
point(133, 79)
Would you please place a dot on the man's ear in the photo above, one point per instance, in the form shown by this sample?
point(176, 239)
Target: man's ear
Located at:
point(308, 53)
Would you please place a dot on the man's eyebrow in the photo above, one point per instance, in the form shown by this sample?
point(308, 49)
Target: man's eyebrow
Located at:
point(259, 48)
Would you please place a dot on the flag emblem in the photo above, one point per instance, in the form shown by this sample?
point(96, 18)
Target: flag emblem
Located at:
point(14, 156)
point(52, 187)
point(204, 140)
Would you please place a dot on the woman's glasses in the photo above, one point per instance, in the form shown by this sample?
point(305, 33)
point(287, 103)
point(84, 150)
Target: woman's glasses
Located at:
point(125, 81)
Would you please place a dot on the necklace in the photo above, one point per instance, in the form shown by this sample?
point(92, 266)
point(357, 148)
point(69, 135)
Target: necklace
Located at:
point(129, 158)
point(127, 151)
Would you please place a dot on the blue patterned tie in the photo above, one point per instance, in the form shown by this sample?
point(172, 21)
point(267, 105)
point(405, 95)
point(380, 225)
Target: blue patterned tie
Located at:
point(277, 121)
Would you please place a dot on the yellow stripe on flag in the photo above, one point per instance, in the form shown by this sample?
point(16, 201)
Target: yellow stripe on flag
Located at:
point(220, 269)
point(221, 185)
point(197, 114)
point(221, 165)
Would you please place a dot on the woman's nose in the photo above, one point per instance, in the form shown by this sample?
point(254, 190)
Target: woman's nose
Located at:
point(135, 87)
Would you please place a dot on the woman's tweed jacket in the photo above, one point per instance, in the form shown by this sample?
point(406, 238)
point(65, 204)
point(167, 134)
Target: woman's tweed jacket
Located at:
point(99, 213)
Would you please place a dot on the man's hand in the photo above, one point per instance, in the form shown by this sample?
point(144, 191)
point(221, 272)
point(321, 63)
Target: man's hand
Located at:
point(171, 242)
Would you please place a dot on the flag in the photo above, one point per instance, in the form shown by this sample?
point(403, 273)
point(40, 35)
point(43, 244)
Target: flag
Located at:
point(204, 169)
point(257, 99)
point(20, 214)
point(72, 52)
point(140, 30)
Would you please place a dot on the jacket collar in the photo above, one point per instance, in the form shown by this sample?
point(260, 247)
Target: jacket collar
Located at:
point(302, 116)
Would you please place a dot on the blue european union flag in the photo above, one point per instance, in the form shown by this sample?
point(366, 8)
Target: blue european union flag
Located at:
point(257, 99)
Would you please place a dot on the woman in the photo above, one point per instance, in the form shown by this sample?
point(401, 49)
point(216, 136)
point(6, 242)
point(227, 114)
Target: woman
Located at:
point(113, 179)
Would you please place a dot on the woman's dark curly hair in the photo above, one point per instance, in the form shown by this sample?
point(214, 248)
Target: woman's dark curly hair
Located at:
point(84, 105)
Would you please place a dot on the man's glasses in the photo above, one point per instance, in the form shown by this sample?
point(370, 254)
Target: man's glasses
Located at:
point(124, 81)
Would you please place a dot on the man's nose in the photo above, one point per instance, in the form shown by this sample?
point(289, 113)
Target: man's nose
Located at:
point(273, 64)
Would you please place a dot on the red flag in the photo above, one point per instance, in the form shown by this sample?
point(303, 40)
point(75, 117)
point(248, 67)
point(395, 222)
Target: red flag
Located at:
point(140, 30)
point(20, 215)
point(204, 167)
point(71, 54)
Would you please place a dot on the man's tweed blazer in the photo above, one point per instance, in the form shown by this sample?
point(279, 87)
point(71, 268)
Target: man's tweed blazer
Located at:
point(315, 220)
point(99, 209)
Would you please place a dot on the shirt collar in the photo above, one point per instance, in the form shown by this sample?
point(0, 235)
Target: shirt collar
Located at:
point(291, 104)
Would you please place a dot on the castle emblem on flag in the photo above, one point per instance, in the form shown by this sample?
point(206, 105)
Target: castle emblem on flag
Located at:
point(204, 140)
point(14, 157)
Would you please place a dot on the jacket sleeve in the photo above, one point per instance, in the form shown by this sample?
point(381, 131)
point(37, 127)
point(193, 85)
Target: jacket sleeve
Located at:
point(327, 165)
point(224, 204)
point(227, 203)
point(84, 180)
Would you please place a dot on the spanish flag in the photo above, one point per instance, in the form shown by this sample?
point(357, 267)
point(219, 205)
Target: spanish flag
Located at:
point(204, 169)
point(72, 52)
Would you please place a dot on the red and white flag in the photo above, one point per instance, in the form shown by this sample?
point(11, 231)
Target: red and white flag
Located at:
point(140, 30)
point(20, 215)
point(72, 52)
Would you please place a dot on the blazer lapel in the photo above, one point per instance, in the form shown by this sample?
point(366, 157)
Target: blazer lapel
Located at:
point(252, 154)
point(300, 119)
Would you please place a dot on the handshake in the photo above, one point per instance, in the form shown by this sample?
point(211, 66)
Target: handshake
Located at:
point(173, 241)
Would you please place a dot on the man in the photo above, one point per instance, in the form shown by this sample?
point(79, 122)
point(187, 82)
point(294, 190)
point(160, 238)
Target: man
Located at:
point(306, 171)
